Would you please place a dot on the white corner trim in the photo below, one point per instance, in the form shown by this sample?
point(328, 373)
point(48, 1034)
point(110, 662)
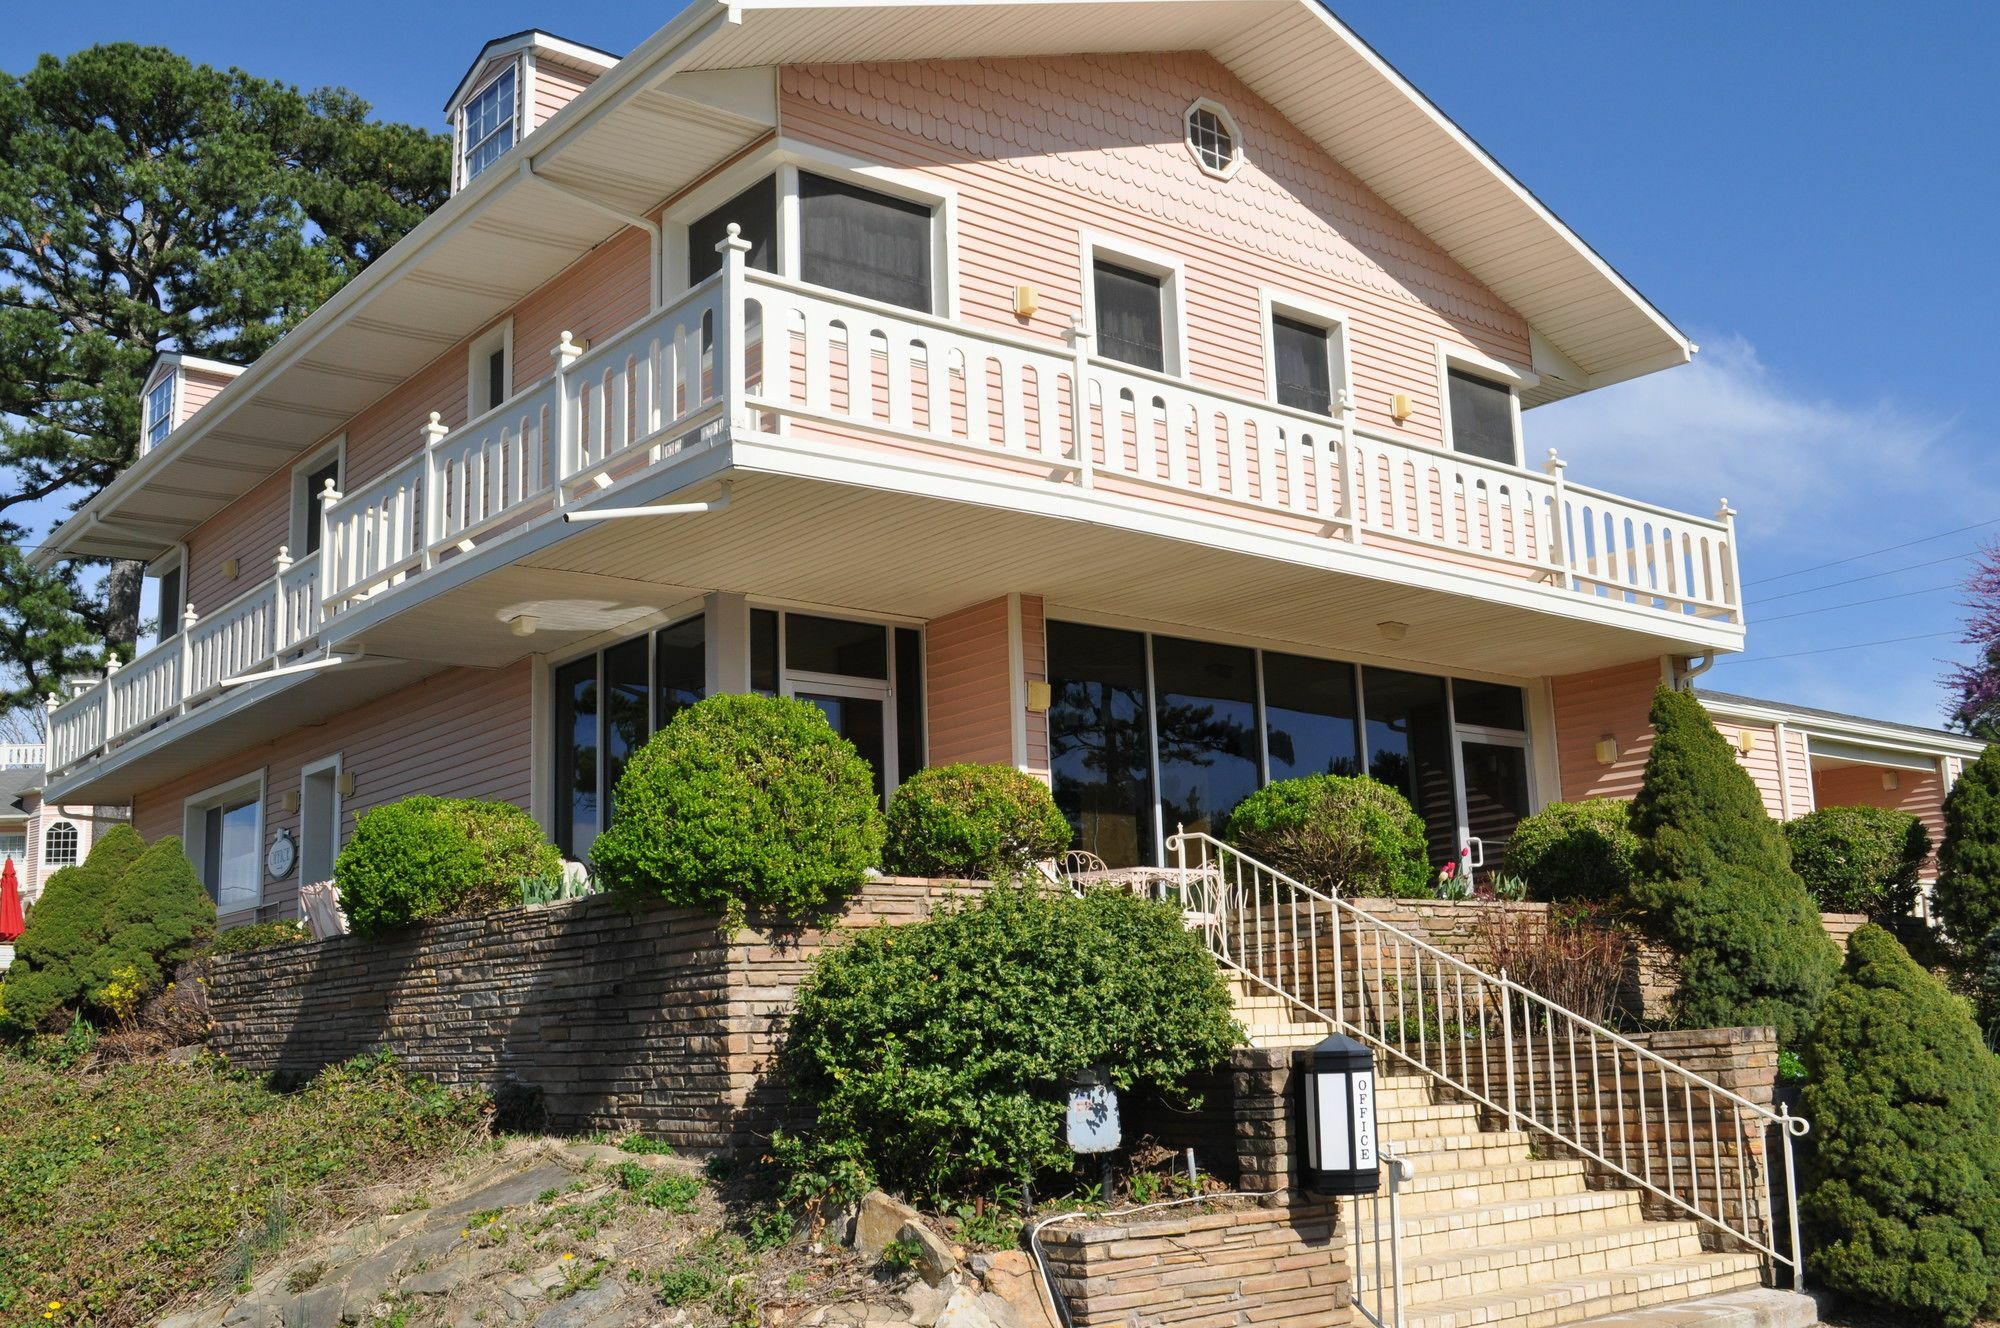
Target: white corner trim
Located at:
point(1017, 684)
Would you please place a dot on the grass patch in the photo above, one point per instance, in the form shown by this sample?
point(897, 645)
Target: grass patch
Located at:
point(124, 1191)
point(658, 1189)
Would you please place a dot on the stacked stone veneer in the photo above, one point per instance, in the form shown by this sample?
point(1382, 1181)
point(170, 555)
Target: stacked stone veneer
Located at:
point(603, 1018)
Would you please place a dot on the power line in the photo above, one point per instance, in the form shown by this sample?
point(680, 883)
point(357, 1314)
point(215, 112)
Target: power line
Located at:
point(1857, 645)
point(1856, 603)
point(1855, 558)
point(1872, 576)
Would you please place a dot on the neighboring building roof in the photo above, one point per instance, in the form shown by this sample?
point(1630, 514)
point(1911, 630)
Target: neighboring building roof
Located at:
point(1930, 738)
point(14, 784)
point(690, 97)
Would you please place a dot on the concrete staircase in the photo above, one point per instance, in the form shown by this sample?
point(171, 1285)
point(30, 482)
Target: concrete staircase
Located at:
point(1495, 1236)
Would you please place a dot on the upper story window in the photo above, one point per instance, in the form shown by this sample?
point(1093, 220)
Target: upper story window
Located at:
point(1302, 369)
point(1212, 138)
point(488, 376)
point(489, 123)
point(168, 607)
point(310, 479)
point(864, 242)
point(159, 412)
point(60, 844)
point(1483, 420)
point(754, 213)
point(1131, 315)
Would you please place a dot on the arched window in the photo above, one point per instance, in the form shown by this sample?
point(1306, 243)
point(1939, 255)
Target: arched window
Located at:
point(59, 845)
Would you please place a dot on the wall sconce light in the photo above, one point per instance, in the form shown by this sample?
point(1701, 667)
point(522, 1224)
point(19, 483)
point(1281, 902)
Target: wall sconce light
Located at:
point(1891, 781)
point(229, 569)
point(1607, 751)
point(1039, 697)
point(346, 784)
point(1338, 1077)
point(289, 800)
point(1746, 741)
point(1400, 408)
point(523, 624)
point(1393, 631)
point(1026, 301)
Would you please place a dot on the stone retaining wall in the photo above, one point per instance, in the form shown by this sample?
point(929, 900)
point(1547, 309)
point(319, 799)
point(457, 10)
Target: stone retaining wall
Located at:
point(653, 1020)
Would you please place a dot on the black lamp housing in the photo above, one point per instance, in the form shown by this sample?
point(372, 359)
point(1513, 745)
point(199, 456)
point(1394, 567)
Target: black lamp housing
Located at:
point(1337, 1110)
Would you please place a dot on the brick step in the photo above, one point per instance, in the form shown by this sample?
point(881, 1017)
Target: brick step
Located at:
point(1489, 1269)
point(1516, 1220)
point(1459, 1152)
point(1425, 1120)
point(1449, 1190)
point(1574, 1300)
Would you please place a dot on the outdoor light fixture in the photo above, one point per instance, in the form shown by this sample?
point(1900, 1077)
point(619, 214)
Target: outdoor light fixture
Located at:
point(523, 624)
point(1338, 1102)
point(1400, 408)
point(1607, 751)
point(1393, 631)
point(1039, 697)
point(1026, 301)
point(1891, 781)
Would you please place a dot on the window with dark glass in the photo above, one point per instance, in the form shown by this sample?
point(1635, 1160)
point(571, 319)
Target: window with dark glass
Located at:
point(1488, 705)
point(1496, 794)
point(680, 669)
point(316, 483)
point(764, 651)
point(909, 702)
point(496, 378)
point(170, 602)
point(1131, 315)
point(1100, 750)
point(627, 712)
point(1410, 748)
point(1310, 718)
point(1482, 417)
point(1304, 364)
point(1205, 716)
point(755, 213)
point(576, 757)
point(865, 243)
point(835, 646)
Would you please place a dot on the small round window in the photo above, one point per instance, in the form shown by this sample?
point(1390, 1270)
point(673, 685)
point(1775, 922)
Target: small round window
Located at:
point(1211, 136)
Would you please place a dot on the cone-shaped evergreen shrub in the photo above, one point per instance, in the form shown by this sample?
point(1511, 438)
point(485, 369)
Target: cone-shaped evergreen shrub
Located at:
point(157, 913)
point(1349, 835)
point(972, 821)
point(1717, 882)
point(65, 927)
point(426, 858)
point(1859, 859)
point(1575, 850)
point(1902, 1189)
point(1968, 884)
point(744, 803)
point(932, 1057)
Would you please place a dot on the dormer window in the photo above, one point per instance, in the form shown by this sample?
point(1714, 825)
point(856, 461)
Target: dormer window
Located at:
point(159, 412)
point(489, 123)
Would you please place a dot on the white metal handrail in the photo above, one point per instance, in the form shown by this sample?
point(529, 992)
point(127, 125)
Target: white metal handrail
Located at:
point(1692, 1144)
point(1377, 1261)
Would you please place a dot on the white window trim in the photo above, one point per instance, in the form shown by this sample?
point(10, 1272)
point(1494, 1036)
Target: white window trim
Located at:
point(305, 505)
point(49, 829)
point(1480, 365)
point(1273, 302)
point(499, 337)
point(172, 377)
point(464, 147)
point(785, 159)
point(321, 766)
point(194, 824)
point(1092, 246)
point(1221, 113)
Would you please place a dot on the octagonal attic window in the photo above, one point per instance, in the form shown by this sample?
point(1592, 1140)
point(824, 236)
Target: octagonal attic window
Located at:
point(1212, 138)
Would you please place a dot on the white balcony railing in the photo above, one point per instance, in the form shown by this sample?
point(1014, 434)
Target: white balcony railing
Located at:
point(776, 355)
point(23, 755)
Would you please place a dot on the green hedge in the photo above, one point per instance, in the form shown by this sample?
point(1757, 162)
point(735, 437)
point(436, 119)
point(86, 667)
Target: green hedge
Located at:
point(1860, 859)
point(1901, 1198)
point(260, 936)
point(743, 803)
point(972, 821)
point(1716, 880)
point(932, 1057)
point(426, 858)
point(1351, 835)
point(1575, 851)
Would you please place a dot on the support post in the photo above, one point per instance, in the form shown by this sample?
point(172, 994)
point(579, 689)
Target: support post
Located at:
point(729, 348)
point(188, 620)
point(431, 519)
point(1732, 593)
point(1558, 531)
point(334, 556)
point(1079, 401)
point(111, 667)
point(280, 565)
point(564, 445)
point(1507, 1045)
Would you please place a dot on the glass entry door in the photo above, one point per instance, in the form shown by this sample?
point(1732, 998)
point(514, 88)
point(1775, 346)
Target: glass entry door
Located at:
point(859, 712)
point(1494, 795)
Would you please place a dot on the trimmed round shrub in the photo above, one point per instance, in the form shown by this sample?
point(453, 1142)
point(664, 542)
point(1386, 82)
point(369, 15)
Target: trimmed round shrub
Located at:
point(1717, 883)
point(742, 803)
point(1901, 1198)
point(1344, 834)
point(1859, 859)
point(969, 821)
point(1575, 850)
point(932, 1057)
point(426, 858)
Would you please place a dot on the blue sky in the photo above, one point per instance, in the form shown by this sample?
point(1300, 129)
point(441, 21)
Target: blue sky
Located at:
point(1807, 190)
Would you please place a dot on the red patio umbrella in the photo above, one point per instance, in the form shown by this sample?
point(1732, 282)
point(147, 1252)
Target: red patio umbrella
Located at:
point(11, 921)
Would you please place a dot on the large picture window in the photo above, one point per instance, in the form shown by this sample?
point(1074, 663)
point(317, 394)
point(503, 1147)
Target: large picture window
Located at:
point(1100, 740)
point(606, 705)
point(223, 831)
point(865, 243)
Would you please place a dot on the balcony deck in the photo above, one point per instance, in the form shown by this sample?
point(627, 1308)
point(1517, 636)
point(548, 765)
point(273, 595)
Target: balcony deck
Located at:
point(746, 355)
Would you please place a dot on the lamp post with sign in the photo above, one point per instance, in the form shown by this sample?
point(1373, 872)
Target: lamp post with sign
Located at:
point(1338, 1102)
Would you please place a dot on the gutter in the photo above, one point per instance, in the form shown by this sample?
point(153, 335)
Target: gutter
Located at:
point(654, 58)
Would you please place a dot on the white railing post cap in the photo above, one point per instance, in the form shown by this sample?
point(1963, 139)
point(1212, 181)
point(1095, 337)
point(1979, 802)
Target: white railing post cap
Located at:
point(732, 240)
point(329, 495)
point(435, 428)
point(284, 558)
point(567, 349)
point(189, 616)
point(1555, 463)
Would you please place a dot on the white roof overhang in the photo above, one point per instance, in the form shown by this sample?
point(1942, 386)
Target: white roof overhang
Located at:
point(650, 126)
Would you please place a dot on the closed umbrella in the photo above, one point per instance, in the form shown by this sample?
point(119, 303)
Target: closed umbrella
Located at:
point(11, 921)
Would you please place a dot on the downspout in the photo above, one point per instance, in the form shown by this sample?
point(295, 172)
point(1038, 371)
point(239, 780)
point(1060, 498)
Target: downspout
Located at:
point(1687, 670)
point(656, 285)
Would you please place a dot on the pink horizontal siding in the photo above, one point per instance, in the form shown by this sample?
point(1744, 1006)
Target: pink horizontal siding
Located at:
point(556, 86)
point(966, 685)
point(198, 388)
point(464, 733)
point(1039, 151)
point(1607, 703)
